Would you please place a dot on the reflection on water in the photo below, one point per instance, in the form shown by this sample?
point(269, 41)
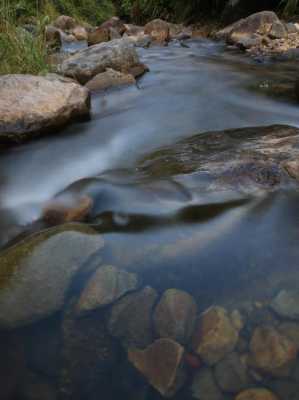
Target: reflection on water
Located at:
point(73, 309)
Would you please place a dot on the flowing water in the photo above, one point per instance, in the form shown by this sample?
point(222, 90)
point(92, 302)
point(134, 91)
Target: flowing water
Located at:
point(223, 248)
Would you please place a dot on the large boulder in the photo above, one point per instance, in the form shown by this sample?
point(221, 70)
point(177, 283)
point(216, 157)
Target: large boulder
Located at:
point(250, 31)
point(158, 30)
point(271, 352)
point(215, 335)
point(174, 316)
point(131, 318)
point(105, 286)
point(31, 105)
point(117, 54)
point(162, 365)
point(36, 273)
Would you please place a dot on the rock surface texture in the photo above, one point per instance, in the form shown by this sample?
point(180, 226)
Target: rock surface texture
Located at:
point(31, 105)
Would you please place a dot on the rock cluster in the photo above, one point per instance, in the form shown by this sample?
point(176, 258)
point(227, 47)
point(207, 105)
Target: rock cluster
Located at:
point(262, 34)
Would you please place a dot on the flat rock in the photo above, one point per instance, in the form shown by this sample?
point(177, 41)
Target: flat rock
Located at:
point(215, 335)
point(31, 105)
point(247, 159)
point(271, 352)
point(175, 315)
point(36, 273)
point(105, 286)
point(117, 54)
point(110, 78)
point(286, 304)
point(204, 386)
point(131, 318)
point(256, 394)
point(162, 365)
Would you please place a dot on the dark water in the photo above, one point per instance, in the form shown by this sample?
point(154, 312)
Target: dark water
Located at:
point(223, 248)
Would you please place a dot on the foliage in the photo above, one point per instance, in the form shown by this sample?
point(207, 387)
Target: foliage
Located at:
point(290, 6)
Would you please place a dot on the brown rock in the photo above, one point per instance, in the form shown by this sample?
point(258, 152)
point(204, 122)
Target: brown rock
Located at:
point(116, 24)
point(80, 33)
point(215, 335)
point(134, 30)
point(104, 287)
point(31, 104)
point(256, 394)
point(65, 23)
point(53, 34)
point(174, 316)
point(292, 167)
point(130, 318)
point(138, 70)
point(271, 352)
point(74, 210)
point(158, 30)
point(162, 365)
point(110, 78)
point(99, 35)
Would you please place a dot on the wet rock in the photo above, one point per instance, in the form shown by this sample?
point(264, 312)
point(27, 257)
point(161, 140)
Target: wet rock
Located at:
point(30, 105)
point(110, 78)
point(215, 335)
point(105, 286)
point(140, 40)
point(53, 35)
point(162, 365)
point(158, 30)
point(65, 23)
point(116, 24)
point(67, 210)
point(85, 64)
point(231, 374)
point(134, 30)
point(292, 168)
point(174, 316)
point(247, 159)
point(36, 273)
point(130, 318)
point(271, 352)
point(138, 70)
point(114, 34)
point(256, 394)
point(80, 33)
point(89, 357)
point(204, 386)
point(99, 35)
point(286, 304)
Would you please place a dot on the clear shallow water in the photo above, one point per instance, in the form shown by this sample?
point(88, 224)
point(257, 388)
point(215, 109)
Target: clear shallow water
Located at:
point(222, 248)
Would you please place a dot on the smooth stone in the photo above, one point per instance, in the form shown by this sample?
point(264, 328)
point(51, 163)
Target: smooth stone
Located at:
point(31, 105)
point(36, 273)
point(80, 33)
point(110, 78)
point(286, 304)
point(231, 374)
point(131, 318)
point(174, 316)
point(256, 394)
point(204, 386)
point(104, 287)
point(117, 54)
point(162, 365)
point(215, 335)
point(272, 353)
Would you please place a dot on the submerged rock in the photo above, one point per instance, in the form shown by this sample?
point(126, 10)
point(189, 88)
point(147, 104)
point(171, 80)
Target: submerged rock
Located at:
point(286, 304)
point(246, 159)
point(162, 365)
point(204, 386)
point(215, 335)
point(117, 54)
point(174, 316)
point(110, 78)
point(106, 286)
point(256, 394)
point(36, 273)
point(131, 318)
point(271, 352)
point(31, 105)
